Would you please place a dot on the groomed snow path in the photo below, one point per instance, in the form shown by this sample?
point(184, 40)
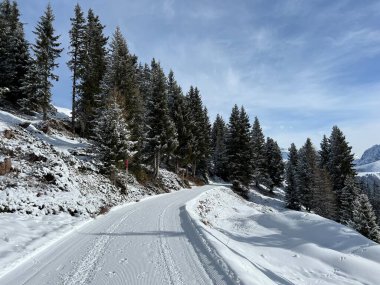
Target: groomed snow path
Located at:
point(150, 242)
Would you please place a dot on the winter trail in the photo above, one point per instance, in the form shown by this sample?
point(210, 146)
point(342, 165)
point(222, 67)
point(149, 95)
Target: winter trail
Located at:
point(150, 242)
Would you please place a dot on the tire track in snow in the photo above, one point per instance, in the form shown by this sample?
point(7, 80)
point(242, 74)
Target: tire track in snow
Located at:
point(172, 270)
point(83, 273)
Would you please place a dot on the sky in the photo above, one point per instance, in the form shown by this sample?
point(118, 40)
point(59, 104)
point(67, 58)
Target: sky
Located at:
point(301, 67)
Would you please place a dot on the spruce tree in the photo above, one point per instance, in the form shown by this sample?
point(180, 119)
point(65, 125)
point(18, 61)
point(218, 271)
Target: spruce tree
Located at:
point(112, 135)
point(324, 199)
point(274, 165)
point(46, 50)
point(324, 153)
point(306, 172)
point(77, 56)
point(292, 197)
point(95, 66)
point(258, 153)
point(219, 149)
point(239, 148)
point(199, 134)
point(14, 54)
point(340, 164)
point(161, 136)
point(232, 143)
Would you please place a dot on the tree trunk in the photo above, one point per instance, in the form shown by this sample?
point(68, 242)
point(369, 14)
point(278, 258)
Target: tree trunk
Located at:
point(73, 101)
point(194, 168)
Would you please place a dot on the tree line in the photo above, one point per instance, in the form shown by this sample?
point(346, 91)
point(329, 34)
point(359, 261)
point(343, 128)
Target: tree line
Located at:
point(135, 111)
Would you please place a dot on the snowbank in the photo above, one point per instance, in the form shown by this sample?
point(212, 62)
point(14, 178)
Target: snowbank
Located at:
point(266, 244)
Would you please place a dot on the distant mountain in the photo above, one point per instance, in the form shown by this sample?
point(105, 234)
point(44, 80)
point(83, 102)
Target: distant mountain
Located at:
point(284, 154)
point(370, 160)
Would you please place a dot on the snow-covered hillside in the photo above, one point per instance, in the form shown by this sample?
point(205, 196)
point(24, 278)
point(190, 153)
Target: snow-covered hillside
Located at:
point(264, 243)
point(370, 160)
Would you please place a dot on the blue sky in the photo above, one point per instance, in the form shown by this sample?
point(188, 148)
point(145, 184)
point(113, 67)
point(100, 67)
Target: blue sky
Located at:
point(300, 66)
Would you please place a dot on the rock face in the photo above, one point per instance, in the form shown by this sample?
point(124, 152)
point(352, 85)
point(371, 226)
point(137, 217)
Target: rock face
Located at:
point(370, 155)
point(6, 166)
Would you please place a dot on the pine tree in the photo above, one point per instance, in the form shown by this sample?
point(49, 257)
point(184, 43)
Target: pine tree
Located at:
point(77, 53)
point(204, 144)
point(219, 148)
point(95, 66)
point(324, 153)
point(258, 152)
point(199, 135)
point(180, 116)
point(274, 164)
point(292, 198)
point(340, 164)
point(14, 54)
point(364, 218)
point(112, 135)
point(306, 172)
point(233, 139)
point(162, 136)
point(33, 87)
point(46, 50)
point(349, 193)
point(239, 148)
point(324, 199)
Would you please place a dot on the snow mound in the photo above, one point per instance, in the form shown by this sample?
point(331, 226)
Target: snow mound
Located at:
point(264, 243)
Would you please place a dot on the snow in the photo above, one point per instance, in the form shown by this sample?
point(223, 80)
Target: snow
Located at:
point(370, 167)
point(264, 243)
point(370, 155)
point(150, 242)
point(63, 113)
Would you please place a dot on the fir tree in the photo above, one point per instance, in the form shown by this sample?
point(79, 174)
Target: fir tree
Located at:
point(324, 153)
point(306, 171)
point(162, 136)
point(14, 55)
point(199, 132)
point(219, 148)
point(292, 197)
point(340, 164)
point(364, 218)
point(112, 135)
point(324, 199)
point(274, 164)
point(77, 53)
point(258, 153)
point(95, 66)
point(239, 147)
point(46, 50)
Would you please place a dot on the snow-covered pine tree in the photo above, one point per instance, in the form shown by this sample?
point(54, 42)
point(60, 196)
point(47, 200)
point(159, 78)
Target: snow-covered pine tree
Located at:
point(121, 77)
point(77, 56)
point(258, 152)
point(306, 171)
point(364, 218)
point(112, 135)
point(34, 89)
point(93, 74)
point(161, 136)
point(46, 50)
point(292, 197)
point(274, 164)
point(14, 54)
point(356, 211)
point(219, 149)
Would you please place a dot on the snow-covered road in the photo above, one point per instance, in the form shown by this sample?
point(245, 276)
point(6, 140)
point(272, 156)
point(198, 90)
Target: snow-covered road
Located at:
point(150, 242)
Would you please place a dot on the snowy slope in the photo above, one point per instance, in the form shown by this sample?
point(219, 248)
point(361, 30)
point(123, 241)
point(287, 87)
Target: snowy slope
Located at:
point(370, 155)
point(267, 244)
point(370, 167)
